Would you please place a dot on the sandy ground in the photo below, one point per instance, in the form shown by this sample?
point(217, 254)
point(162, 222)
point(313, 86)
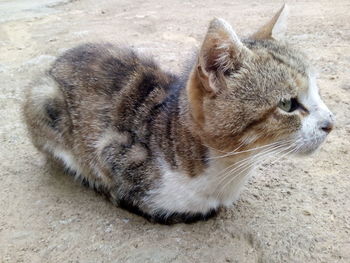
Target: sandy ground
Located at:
point(296, 210)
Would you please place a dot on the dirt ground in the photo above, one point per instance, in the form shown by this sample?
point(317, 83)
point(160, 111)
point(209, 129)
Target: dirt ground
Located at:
point(295, 210)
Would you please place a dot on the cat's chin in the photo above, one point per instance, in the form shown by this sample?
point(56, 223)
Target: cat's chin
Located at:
point(308, 146)
point(305, 152)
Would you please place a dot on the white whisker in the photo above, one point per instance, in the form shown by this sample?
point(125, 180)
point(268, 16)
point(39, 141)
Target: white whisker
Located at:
point(251, 160)
point(257, 161)
point(232, 153)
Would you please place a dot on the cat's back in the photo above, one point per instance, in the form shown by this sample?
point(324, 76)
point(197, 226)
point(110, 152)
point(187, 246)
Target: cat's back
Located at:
point(104, 81)
point(107, 89)
point(102, 67)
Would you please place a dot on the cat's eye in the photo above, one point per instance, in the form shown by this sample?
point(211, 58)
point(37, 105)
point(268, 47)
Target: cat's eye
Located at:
point(288, 105)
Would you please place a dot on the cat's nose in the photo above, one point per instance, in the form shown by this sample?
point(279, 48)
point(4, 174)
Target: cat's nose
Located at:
point(328, 125)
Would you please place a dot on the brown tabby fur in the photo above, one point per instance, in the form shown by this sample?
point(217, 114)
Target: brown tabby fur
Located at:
point(116, 112)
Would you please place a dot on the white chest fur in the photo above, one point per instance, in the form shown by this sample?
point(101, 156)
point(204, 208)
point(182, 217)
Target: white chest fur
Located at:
point(182, 193)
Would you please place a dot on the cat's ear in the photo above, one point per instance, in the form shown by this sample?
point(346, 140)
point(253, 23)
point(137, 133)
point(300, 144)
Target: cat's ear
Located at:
point(221, 51)
point(275, 28)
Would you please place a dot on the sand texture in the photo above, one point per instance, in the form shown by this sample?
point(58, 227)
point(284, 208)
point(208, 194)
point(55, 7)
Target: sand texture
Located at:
point(294, 210)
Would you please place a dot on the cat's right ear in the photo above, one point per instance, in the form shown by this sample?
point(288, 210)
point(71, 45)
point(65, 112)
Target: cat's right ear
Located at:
point(275, 28)
point(221, 51)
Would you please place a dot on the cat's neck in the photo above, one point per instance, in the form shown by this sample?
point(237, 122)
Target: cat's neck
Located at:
point(176, 138)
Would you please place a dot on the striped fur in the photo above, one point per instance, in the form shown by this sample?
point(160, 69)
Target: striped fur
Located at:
point(157, 144)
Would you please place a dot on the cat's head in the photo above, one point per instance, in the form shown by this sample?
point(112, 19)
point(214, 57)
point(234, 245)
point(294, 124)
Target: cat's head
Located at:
point(256, 91)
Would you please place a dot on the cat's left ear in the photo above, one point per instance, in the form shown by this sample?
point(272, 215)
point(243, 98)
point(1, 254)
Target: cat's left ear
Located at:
point(221, 51)
point(275, 28)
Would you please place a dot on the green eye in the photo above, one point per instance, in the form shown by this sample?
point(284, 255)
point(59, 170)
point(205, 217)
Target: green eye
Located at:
point(288, 105)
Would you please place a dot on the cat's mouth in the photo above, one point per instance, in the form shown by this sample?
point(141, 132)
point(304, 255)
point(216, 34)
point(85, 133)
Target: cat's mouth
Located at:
point(309, 146)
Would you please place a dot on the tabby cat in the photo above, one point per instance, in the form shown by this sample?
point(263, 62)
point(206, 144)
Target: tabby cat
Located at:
point(177, 148)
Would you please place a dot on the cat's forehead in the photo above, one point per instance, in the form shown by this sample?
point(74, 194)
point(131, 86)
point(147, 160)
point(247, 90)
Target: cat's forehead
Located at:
point(283, 53)
point(288, 58)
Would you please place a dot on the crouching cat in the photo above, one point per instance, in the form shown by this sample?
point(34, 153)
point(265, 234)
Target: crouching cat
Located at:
point(176, 149)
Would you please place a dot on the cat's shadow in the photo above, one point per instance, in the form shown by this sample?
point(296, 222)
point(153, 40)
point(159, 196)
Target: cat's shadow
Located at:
point(77, 194)
point(62, 184)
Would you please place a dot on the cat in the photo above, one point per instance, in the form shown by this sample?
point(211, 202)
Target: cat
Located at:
point(177, 148)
